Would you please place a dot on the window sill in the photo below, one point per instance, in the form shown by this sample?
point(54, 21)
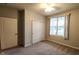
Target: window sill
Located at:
point(57, 36)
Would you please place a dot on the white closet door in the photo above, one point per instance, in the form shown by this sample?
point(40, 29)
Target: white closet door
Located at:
point(37, 31)
point(9, 33)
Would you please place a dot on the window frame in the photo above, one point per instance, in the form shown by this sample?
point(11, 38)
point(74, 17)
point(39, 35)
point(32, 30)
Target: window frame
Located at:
point(57, 26)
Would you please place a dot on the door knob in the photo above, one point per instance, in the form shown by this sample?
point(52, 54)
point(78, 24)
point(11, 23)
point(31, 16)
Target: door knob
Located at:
point(16, 33)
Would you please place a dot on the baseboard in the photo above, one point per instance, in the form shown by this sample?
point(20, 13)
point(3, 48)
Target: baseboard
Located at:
point(30, 44)
point(65, 44)
point(38, 42)
point(27, 45)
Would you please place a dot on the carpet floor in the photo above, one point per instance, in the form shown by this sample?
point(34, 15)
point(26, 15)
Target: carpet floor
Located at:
point(42, 48)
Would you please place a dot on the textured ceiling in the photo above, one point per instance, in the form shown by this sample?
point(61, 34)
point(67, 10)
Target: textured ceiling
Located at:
point(39, 8)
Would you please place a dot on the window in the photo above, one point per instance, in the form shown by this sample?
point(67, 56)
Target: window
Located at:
point(53, 25)
point(57, 26)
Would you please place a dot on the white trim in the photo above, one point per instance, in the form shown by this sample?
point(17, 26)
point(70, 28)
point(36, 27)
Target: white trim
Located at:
point(27, 45)
point(57, 26)
point(64, 44)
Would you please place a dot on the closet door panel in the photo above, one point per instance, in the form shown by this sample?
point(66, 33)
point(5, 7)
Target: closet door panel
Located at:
point(37, 31)
point(9, 34)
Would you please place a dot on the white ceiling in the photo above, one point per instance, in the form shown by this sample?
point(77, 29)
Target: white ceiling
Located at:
point(39, 8)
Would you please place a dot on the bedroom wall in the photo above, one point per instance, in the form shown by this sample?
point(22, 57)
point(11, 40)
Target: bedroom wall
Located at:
point(8, 12)
point(73, 32)
point(29, 16)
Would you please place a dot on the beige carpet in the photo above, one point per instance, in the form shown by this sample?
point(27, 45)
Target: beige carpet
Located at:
point(41, 48)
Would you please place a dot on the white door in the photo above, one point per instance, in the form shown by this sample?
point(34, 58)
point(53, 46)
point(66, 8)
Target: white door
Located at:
point(9, 33)
point(37, 31)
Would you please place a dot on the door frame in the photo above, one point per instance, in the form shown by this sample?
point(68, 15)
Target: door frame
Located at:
point(32, 32)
